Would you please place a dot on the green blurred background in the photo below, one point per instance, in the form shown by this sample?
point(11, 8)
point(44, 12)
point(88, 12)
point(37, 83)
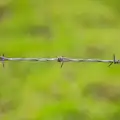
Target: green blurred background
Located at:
point(50, 28)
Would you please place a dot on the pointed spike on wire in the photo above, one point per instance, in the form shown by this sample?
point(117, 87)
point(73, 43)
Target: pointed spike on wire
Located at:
point(110, 64)
point(3, 60)
point(60, 59)
point(61, 64)
point(114, 61)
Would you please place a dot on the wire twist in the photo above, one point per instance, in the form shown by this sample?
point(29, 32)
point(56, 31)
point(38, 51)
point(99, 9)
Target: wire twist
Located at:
point(60, 59)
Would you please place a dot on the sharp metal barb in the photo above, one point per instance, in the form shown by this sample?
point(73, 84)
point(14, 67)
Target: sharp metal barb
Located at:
point(62, 64)
point(2, 59)
point(110, 64)
point(60, 59)
point(114, 60)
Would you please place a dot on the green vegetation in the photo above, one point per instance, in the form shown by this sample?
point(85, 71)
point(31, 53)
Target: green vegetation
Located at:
point(50, 28)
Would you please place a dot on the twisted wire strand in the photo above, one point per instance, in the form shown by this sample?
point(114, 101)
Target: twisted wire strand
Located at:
point(60, 59)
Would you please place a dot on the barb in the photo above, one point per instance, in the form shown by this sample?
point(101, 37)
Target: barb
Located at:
point(60, 59)
point(2, 58)
point(114, 61)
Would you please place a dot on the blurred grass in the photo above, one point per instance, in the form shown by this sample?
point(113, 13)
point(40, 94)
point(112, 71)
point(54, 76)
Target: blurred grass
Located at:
point(50, 28)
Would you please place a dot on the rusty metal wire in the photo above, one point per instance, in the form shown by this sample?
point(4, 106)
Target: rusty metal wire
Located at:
point(60, 59)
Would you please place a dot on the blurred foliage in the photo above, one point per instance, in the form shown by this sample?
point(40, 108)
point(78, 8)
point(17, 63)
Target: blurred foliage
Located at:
point(50, 28)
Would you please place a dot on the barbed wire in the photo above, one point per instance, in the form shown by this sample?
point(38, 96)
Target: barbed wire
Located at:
point(60, 59)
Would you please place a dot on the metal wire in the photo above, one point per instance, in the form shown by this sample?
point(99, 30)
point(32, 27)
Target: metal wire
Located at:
point(60, 59)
